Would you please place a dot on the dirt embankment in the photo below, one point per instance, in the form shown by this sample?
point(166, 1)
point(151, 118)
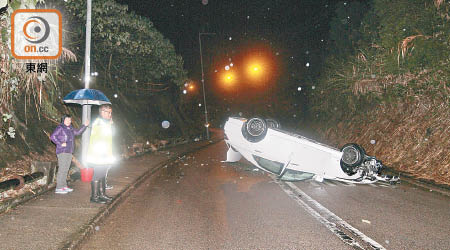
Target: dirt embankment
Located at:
point(412, 137)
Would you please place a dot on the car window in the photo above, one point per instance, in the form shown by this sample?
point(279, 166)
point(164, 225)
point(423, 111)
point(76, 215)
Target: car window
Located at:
point(293, 175)
point(272, 166)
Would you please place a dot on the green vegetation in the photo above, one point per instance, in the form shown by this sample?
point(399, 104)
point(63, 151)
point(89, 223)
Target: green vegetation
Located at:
point(387, 77)
point(132, 59)
point(124, 45)
point(398, 50)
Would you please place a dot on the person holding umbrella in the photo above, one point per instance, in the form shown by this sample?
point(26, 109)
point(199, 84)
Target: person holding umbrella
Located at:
point(64, 137)
point(100, 153)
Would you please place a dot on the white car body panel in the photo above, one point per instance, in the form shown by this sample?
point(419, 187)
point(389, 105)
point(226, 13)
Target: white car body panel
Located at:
point(293, 151)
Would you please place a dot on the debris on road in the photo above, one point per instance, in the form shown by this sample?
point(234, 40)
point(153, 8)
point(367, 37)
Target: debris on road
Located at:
point(366, 221)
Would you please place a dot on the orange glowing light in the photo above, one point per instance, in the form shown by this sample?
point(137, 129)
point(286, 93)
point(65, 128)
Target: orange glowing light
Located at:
point(228, 78)
point(255, 69)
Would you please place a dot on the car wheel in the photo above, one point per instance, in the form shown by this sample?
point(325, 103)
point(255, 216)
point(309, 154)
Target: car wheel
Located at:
point(352, 156)
point(271, 123)
point(254, 129)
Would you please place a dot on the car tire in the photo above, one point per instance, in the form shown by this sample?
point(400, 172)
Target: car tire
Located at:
point(271, 123)
point(254, 129)
point(353, 155)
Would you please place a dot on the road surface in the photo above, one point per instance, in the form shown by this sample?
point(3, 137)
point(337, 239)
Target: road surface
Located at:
point(198, 202)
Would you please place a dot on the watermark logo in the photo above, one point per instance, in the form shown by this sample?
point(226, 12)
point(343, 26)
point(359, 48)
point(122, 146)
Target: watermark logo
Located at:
point(36, 34)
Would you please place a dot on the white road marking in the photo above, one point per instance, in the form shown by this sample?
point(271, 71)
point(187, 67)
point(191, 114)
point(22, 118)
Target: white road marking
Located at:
point(302, 199)
point(330, 225)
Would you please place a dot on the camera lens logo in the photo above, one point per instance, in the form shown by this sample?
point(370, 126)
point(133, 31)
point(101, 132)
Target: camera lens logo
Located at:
point(36, 34)
point(36, 29)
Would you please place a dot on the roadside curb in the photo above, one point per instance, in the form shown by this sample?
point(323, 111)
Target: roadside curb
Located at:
point(76, 239)
point(421, 183)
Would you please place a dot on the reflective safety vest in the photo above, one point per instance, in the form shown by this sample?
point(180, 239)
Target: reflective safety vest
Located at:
point(100, 143)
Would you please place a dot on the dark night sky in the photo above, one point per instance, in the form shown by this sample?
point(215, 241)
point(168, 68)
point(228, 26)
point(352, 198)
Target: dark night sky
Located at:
point(296, 29)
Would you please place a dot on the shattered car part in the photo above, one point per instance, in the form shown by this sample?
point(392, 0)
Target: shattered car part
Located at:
point(293, 157)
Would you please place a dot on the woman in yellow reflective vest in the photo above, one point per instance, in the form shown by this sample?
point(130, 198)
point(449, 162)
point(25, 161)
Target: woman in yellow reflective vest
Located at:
point(100, 153)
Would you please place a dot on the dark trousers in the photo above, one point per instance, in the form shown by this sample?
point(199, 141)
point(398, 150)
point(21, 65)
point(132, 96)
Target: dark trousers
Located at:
point(100, 171)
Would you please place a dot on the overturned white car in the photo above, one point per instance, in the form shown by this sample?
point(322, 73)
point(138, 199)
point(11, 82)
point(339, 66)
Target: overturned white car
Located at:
point(293, 157)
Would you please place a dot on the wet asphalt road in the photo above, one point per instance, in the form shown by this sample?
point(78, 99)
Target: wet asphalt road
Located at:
point(198, 202)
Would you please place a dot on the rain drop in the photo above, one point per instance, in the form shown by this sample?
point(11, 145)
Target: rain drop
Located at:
point(307, 64)
point(199, 104)
point(165, 124)
point(248, 17)
point(115, 95)
point(230, 38)
point(372, 142)
point(231, 64)
point(240, 113)
point(184, 91)
point(97, 228)
point(227, 67)
point(294, 115)
point(313, 87)
point(299, 88)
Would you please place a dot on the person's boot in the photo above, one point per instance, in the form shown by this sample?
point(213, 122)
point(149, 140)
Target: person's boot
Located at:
point(102, 190)
point(94, 193)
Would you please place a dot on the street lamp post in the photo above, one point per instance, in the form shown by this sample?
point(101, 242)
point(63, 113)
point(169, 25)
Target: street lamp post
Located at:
point(203, 82)
point(87, 68)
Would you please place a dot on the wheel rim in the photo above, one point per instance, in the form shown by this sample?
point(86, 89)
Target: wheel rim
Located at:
point(256, 127)
point(351, 155)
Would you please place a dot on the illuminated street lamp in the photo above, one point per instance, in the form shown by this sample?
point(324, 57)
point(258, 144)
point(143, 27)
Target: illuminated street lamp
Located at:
point(256, 69)
point(228, 78)
point(203, 82)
